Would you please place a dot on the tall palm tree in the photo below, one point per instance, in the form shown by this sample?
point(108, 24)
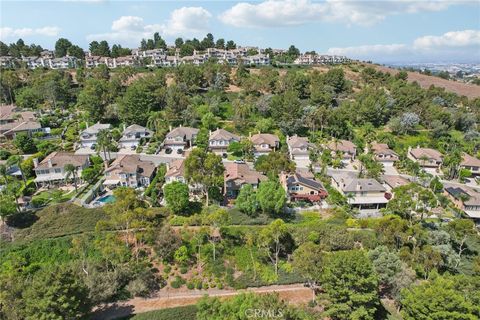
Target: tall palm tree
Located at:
point(104, 143)
point(157, 122)
point(72, 171)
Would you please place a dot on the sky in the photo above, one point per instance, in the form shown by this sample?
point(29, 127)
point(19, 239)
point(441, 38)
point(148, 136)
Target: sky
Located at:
point(384, 31)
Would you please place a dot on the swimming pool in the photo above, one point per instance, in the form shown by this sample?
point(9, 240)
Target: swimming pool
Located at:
point(107, 199)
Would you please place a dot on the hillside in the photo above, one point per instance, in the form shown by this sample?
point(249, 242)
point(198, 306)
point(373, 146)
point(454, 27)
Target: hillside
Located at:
point(463, 89)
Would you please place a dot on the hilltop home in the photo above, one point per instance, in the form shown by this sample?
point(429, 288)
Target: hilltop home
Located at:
point(299, 187)
point(52, 168)
point(470, 163)
point(364, 194)
point(132, 135)
point(175, 171)
point(428, 159)
point(384, 154)
point(129, 171)
point(465, 199)
point(88, 137)
point(345, 148)
point(220, 139)
point(391, 182)
point(298, 147)
point(180, 138)
point(238, 174)
point(13, 122)
point(264, 143)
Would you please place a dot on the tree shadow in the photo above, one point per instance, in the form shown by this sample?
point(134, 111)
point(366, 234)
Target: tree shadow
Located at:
point(112, 312)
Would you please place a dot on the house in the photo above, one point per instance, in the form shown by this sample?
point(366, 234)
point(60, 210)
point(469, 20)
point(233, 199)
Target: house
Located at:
point(299, 187)
point(298, 147)
point(362, 193)
point(66, 62)
point(175, 171)
point(180, 138)
point(13, 122)
point(466, 199)
point(52, 169)
point(427, 158)
point(264, 143)
point(132, 135)
point(391, 182)
point(345, 148)
point(257, 59)
point(88, 137)
point(220, 139)
point(384, 154)
point(238, 174)
point(129, 171)
point(470, 163)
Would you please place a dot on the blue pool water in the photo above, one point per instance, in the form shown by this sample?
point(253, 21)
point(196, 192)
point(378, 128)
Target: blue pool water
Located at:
point(107, 199)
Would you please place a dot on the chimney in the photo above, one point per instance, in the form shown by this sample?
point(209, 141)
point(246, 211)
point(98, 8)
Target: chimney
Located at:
point(124, 127)
point(35, 162)
point(170, 127)
point(86, 123)
point(50, 163)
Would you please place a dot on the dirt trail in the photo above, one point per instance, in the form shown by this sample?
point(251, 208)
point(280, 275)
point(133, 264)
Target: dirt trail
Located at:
point(293, 293)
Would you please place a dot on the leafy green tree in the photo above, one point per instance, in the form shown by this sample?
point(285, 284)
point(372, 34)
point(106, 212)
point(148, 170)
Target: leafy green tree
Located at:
point(387, 265)
point(61, 47)
point(247, 200)
point(177, 196)
point(94, 98)
point(166, 243)
point(181, 255)
point(56, 294)
point(308, 262)
point(271, 197)
point(138, 97)
point(448, 297)
point(89, 174)
point(274, 163)
point(205, 169)
point(349, 280)
point(28, 98)
point(270, 239)
point(25, 143)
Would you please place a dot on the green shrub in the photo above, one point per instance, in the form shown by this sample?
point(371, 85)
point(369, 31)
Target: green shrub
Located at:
point(167, 269)
point(190, 285)
point(183, 269)
point(199, 285)
point(178, 282)
point(186, 313)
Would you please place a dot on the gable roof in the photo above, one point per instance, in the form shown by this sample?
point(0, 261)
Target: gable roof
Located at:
point(186, 132)
point(242, 172)
point(96, 128)
point(265, 138)
point(176, 168)
point(135, 128)
point(395, 181)
point(311, 183)
point(131, 163)
point(297, 142)
point(222, 134)
point(470, 161)
point(342, 145)
point(59, 159)
point(418, 153)
point(348, 182)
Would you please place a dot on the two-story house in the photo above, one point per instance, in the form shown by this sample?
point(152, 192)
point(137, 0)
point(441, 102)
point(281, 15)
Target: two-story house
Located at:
point(175, 171)
point(180, 138)
point(298, 147)
point(470, 163)
point(303, 188)
point(220, 139)
point(384, 154)
point(362, 193)
point(52, 169)
point(346, 149)
point(238, 174)
point(465, 198)
point(428, 159)
point(14, 121)
point(88, 137)
point(129, 171)
point(132, 135)
point(264, 143)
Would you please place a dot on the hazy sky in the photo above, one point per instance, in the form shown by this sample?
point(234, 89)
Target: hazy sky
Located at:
point(380, 30)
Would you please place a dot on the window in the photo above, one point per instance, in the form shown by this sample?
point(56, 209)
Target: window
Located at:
point(58, 170)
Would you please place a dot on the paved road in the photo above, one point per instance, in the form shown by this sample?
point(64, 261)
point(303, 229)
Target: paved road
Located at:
point(294, 293)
